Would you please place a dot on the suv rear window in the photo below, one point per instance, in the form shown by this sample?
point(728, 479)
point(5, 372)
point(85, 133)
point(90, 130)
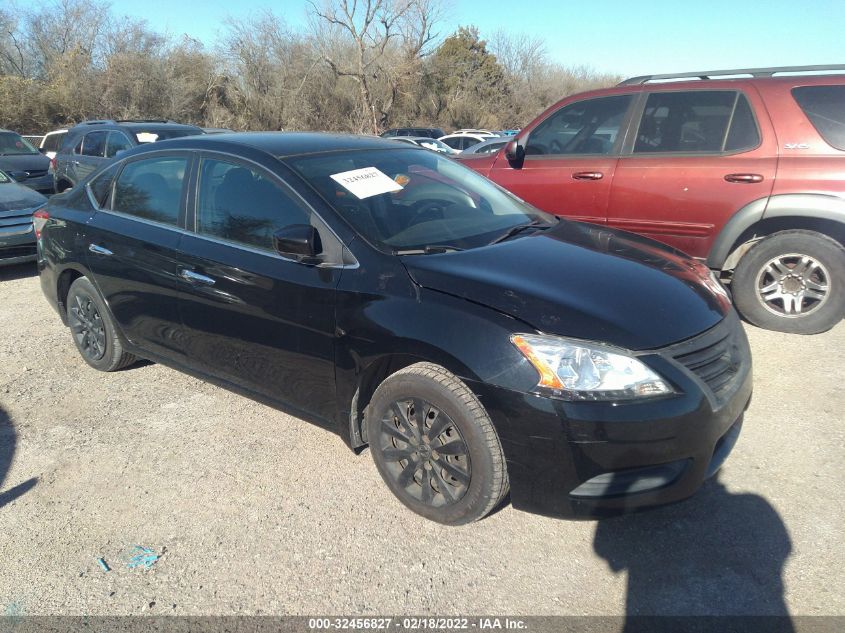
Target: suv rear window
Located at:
point(696, 121)
point(825, 107)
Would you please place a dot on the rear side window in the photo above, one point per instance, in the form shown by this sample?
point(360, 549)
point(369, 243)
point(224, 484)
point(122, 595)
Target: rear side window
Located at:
point(100, 186)
point(825, 107)
point(696, 121)
point(584, 127)
point(94, 144)
point(151, 189)
point(52, 142)
point(239, 204)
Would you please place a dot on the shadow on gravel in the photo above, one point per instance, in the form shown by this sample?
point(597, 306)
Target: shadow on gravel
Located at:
point(18, 271)
point(716, 554)
point(7, 452)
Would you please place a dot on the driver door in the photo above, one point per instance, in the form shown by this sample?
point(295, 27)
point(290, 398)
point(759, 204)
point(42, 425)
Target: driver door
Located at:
point(570, 159)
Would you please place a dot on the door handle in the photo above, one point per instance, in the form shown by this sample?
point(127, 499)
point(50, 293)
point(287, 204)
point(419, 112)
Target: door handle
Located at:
point(588, 175)
point(99, 250)
point(746, 178)
point(195, 278)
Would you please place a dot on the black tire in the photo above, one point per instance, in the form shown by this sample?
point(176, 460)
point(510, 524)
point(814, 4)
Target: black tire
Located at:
point(792, 281)
point(93, 330)
point(473, 482)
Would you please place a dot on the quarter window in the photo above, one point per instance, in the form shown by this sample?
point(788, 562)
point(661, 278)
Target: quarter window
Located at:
point(825, 107)
point(94, 144)
point(240, 204)
point(151, 189)
point(696, 121)
point(585, 127)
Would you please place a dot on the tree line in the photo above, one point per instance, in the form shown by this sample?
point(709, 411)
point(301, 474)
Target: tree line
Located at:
point(361, 66)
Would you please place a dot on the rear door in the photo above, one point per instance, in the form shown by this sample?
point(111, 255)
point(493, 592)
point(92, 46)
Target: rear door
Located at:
point(91, 155)
point(570, 158)
point(696, 158)
point(132, 247)
point(251, 316)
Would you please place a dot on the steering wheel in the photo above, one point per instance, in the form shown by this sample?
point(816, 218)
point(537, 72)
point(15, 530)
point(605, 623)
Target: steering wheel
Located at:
point(427, 210)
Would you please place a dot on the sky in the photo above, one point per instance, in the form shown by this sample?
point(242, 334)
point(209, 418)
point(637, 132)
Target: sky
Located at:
point(615, 36)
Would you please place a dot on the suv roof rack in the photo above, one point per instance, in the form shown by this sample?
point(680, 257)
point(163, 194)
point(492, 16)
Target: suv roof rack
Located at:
point(97, 122)
point(144, 121)
point(754, 72)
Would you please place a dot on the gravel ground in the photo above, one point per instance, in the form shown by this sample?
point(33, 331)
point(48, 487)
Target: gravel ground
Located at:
point(253, 511)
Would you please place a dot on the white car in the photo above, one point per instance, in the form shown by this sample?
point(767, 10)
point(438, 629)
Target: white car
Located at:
point(51, 143)
point(461, 140)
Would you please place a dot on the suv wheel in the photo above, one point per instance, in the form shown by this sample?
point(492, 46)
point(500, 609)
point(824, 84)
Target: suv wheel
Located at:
point(93, 329)
point(792, 281)
point(435, 446)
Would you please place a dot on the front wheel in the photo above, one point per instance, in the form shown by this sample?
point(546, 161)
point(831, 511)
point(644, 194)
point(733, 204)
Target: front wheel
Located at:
point(792, 281)
point(435, 446)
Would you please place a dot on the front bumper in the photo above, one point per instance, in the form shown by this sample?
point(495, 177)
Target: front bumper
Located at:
point(42, 184)
point(16, 247)
point(593, 459)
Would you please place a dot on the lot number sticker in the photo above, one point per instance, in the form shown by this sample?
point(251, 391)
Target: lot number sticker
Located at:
point(366, 182)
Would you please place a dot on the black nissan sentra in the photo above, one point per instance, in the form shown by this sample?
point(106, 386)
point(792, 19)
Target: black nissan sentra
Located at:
point(476, 344)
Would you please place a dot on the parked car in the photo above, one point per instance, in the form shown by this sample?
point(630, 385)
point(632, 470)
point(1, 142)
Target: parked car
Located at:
point(52, 142)
point(17, 238)
point(24, 163)
point(462, 140)
point(403, 301)
point(430, 132)
point(742, 173)
point(91, 144)
point(427, 143)
point(490, 146)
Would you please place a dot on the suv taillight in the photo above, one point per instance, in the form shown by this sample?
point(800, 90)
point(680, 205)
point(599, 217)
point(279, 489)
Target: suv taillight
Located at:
point(53, 164)
point(39, 219)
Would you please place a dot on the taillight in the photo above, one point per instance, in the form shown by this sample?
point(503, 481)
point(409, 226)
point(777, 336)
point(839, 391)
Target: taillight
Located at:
point(53, 164)
point(39, 219)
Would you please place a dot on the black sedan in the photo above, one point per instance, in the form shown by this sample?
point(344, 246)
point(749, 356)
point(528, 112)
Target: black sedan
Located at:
point(389, 294)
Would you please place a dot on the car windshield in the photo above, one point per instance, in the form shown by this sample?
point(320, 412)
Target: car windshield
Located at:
point(412, 200)
point(11, 143)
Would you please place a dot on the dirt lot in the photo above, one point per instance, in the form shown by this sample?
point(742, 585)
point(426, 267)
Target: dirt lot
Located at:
point(254, 511)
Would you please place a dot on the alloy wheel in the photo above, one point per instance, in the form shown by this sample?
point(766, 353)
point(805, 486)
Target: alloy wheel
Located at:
point(425, 453)
point(793, 285)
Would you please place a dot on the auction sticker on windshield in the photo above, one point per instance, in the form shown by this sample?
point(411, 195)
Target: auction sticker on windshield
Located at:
point(366, 182)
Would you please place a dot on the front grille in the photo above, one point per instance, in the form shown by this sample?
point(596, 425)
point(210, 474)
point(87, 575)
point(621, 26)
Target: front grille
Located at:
point(17, 251)
point(718, 357)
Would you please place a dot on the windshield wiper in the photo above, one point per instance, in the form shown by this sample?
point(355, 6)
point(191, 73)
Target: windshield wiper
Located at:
point(430, 249)
point(519, 228)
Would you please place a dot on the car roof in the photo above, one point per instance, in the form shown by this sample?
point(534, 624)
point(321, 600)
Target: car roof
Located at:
point(283, 144)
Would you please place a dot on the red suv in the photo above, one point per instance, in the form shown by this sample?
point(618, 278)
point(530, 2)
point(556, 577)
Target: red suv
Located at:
point(747, 174)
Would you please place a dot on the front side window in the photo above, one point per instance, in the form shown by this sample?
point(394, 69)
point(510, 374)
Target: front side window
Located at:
point(825, 107)
point(151, 189)
point(94, 144)
point(243, 205)
point(117, 142)
point(585, 127)
point(696, 121)
point(100, 186)
point(406, 199)
point(12, 144)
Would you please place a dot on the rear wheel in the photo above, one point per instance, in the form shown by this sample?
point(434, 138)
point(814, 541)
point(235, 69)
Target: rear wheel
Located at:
point(93, 330)
point(792, 281)
point(435, 446)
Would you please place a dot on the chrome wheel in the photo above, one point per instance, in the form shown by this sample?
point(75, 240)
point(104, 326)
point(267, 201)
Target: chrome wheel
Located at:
point(87, 327)
point(424, 452)
point(793, 285)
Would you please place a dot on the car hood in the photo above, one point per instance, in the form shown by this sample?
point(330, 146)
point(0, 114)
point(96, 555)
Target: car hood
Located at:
point(14, 197)
point(584, 281)
point(24, 162)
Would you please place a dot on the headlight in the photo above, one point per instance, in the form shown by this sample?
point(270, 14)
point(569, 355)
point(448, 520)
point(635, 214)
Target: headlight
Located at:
point(575, 370)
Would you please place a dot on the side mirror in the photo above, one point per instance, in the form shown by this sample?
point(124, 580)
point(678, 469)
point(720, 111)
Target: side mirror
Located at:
point(300, 242)
point(515, 153)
